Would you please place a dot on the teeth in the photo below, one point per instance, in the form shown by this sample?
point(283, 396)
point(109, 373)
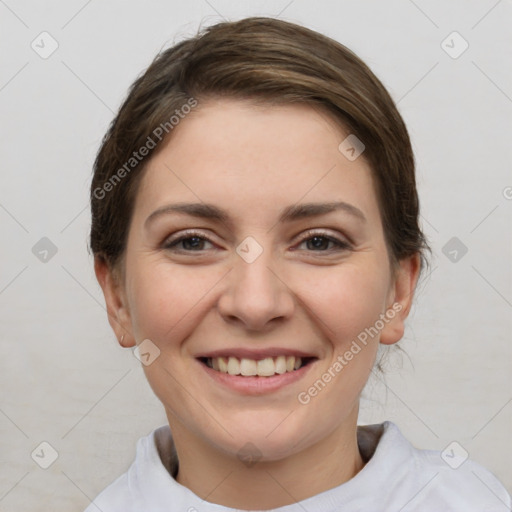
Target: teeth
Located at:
point(223, 365)
point(266, 367)
point(233, 366)
point(281, 364)
point(250, 367)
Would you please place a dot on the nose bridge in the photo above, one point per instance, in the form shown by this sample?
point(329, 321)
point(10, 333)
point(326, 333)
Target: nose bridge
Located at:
point(255, 294)
point(255, 278)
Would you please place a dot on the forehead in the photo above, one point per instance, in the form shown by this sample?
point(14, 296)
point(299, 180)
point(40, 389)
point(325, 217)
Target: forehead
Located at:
point(240, 155)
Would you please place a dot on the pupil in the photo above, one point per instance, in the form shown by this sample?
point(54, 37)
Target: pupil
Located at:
point(192, 242)
point(318, 242)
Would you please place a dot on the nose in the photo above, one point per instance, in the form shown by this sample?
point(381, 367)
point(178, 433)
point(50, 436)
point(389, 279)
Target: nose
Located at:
point(256, 297)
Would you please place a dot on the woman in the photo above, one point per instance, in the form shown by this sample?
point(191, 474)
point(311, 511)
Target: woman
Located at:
point(255, 233)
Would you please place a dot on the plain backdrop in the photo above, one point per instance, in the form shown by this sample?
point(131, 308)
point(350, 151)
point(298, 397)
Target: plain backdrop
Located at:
point(65, 381)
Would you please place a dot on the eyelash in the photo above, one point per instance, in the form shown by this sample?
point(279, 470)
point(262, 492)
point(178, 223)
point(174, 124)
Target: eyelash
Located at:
point(341, 245)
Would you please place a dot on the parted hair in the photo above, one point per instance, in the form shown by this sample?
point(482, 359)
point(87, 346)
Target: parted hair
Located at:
point(268, 61)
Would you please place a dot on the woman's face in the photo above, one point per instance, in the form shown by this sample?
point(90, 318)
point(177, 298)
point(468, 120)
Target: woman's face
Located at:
point(268, 249)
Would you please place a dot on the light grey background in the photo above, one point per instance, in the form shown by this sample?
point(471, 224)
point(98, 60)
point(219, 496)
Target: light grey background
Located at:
point(64, 380)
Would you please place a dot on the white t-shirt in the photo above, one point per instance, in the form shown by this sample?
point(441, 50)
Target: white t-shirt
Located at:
point(396, 478)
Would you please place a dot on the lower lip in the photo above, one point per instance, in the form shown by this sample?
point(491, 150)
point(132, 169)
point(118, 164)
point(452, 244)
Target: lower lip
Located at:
point(256, 385)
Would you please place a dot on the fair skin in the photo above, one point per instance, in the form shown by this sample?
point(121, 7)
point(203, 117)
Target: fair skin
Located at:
point(302, 295)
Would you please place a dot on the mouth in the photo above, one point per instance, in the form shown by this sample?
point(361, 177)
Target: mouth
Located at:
point(265, 367)
point(255, 372)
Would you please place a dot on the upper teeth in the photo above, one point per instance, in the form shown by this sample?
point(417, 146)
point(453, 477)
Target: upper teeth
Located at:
point(248, 367)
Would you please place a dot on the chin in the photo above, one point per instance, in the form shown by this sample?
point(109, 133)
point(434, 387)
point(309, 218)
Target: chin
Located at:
point(275, 438)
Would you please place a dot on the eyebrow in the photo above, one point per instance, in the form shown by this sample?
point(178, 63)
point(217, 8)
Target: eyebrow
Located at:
point(289, 214)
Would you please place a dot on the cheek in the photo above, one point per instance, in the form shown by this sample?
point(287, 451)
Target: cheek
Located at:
point(346, 299)
point(166, 299)
point(342, 301)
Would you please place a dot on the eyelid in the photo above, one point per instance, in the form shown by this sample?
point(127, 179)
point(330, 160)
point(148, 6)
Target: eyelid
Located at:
point(325, 234)
point(188, 233)
point(310, 233)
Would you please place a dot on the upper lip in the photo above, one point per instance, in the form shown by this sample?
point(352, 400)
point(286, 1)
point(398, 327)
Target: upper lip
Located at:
point(262, 353)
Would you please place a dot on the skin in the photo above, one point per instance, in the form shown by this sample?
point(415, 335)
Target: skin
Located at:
point(253, 161)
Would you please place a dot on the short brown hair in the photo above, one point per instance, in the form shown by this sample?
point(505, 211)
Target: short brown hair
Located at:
point(273, 62)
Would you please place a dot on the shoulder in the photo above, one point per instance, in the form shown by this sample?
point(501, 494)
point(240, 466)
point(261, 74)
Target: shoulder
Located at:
point(462, 482)
point(125, 494)
point(115, 498)
point(447, 479)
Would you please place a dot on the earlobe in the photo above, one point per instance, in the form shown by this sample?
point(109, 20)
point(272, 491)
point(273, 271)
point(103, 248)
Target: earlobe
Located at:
point(401, 298)
point(126, 341)
point(115, 301)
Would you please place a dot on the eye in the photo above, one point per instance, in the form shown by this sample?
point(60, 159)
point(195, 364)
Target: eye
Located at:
point(187, 242)
point(192, 241)
point(323, 242)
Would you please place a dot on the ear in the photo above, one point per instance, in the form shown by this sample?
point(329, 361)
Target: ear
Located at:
point(115, 300)
point(400, 299)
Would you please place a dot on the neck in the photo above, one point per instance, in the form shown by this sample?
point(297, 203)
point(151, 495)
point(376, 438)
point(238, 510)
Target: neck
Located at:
point(220, 478)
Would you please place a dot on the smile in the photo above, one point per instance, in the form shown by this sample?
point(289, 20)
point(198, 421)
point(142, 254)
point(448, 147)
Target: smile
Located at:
point(254, 371)
point(267, 367)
